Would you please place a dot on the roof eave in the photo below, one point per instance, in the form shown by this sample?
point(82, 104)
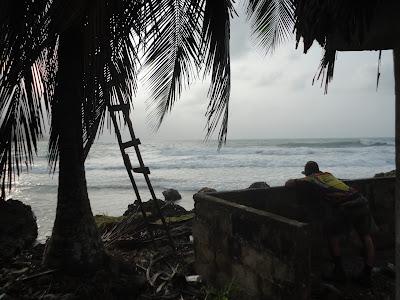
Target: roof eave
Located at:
point(383, 33)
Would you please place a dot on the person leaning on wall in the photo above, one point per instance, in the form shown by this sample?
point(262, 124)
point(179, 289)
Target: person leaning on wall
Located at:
point(348, 209)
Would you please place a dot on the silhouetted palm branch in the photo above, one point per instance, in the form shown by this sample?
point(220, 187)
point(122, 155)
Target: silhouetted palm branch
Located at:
point(192, 33)
point(186, 36)
point(272, 21)
point(110, 65)
point(172, 52)
point(215, 37)
point(27, 68)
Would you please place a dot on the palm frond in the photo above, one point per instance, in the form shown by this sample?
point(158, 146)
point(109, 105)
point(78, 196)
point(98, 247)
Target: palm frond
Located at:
point(183, 37)
point(111, 61)
point(272, 21)
point(326, 68)
point(215, 38)
point(26, 82)
point(172, 51)
point(110, 31)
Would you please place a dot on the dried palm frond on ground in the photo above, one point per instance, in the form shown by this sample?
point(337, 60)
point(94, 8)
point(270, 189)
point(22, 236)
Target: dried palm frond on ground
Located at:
point(137, 266)
point(165, 270)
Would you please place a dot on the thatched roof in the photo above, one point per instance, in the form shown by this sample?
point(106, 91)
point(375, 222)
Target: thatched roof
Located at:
point(348, 24)
point(318, 19)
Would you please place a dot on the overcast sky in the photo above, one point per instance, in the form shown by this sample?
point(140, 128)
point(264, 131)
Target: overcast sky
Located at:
point(273, 97)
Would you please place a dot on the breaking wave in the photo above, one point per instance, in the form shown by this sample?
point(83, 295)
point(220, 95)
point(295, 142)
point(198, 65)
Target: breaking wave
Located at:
point(336, 144)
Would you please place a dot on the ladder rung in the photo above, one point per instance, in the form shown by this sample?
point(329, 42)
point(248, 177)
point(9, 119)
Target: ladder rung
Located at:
point(132, 143)
point(143, 170)
point(118, 107)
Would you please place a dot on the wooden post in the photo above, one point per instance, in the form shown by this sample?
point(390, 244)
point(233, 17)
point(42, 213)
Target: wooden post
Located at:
point(396, 63)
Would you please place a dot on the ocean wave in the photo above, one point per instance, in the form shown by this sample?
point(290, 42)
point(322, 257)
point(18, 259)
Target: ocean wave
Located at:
point(284, 152)
point(336, 144)
point(106, 168)
point(127, 186)
point(267, 159)
point(52, 188)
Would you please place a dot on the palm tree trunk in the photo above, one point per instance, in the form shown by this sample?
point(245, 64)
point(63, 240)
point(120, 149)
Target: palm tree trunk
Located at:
point(75, 243)
point(396, 60)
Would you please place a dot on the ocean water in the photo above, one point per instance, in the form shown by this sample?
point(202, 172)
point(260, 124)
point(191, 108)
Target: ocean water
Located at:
point(190, 165)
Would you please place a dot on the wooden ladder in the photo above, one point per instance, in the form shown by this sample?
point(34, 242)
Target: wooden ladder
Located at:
point(134, 142)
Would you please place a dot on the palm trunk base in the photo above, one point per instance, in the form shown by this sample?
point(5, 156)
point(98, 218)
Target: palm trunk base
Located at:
point(79, 250)
point(75, 244)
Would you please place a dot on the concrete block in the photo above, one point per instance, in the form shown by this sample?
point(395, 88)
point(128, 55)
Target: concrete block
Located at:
point(207, 271)
point(265, 287)
point(201, 233)
point(282, 271)
point(225, 223)
point(223, 262)
point(204, 253)
point(223, 281)
point(259, 263)
point(245, 279)
point(235, 248)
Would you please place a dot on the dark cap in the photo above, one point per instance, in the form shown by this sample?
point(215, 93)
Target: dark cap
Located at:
point(311, 167)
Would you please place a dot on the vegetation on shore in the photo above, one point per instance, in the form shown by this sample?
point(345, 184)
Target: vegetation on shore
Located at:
point(102, 220)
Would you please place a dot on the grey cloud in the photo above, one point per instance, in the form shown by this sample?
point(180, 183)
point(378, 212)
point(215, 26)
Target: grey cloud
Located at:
point(300, 82)
point(268, 79)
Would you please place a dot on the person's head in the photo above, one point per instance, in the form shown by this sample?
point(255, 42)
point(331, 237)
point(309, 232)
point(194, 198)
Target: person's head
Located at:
point(310, 168)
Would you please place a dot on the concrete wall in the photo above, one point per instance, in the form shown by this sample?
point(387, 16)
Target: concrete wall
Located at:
point(292, 204)
point(380, 193)
point(263, 255)
point(261, 241)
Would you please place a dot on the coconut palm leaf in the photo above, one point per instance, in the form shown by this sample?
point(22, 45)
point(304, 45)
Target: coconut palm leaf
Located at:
point(110, 66)
point(184, 36)
point(215, 38)
point(26, 82)
point(111, 53)
point(272, 21)
point(172, 56)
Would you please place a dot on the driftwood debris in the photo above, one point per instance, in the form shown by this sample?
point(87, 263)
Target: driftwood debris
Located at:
point(138, 266)
point(165, 272)
point(40, 274)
